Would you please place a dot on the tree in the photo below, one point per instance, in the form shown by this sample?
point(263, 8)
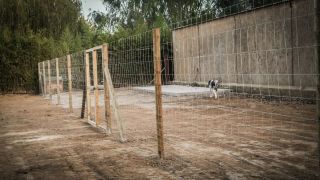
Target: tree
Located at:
point(36, 30)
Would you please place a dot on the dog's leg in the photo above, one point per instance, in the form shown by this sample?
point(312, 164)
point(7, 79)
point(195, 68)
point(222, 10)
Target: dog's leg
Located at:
point(211, 90)
point(215, 93)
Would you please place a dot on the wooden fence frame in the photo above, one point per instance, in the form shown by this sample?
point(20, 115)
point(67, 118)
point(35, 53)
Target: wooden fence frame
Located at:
point(110, 100)
point(107, 93)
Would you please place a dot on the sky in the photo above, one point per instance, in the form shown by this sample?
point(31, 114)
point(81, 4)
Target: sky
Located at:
point(95, 5)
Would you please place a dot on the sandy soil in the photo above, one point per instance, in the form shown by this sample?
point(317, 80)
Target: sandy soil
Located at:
point(229, 138)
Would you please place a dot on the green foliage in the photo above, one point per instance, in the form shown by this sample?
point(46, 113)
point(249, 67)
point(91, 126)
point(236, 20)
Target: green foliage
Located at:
point(36, 30)
point(158, 13)
point(153, 13)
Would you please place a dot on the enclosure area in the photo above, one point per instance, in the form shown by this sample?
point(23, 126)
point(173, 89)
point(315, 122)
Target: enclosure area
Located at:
point(147, 100)
point(233, 139)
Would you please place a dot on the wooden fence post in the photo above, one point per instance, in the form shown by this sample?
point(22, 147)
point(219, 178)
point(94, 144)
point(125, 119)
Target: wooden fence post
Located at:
point(107, 113)
point(49, 79)
point(69, 82)
point(39, 79)
point(44, 79)
point(58, 80)
point(88, 84)
point(96, 90)
point(84, 87)
point(157, 74)
point(317, 31)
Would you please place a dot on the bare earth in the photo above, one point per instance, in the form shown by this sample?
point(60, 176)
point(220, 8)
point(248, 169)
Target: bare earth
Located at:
point(204, 139)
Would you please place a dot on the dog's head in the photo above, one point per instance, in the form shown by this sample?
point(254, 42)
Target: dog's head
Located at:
point(210, 83)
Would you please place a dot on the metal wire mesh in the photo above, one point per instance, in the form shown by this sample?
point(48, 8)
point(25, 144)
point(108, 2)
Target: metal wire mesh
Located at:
point(264, 122)
point(131, 68)
point(265, 115)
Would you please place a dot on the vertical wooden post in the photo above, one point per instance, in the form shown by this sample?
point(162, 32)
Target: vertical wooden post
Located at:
point(88, 87)
point(317, 31)
point(157, 74)
point(69, 82)
point(107, 113)
point(58, 80)
point(84, 87)
point(44, 79)
point(49, 79)
point(96, 90)
point(39, 79)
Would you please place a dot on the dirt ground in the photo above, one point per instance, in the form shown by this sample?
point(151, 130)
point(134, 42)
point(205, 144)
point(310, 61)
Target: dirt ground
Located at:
point(229, 138)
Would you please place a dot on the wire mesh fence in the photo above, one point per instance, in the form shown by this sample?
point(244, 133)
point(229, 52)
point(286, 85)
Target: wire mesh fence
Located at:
point(266, 62)
point(263, 122)
point(131, 68)
point(221, 11)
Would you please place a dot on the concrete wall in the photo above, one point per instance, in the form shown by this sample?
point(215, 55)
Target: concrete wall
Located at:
point(271, 50)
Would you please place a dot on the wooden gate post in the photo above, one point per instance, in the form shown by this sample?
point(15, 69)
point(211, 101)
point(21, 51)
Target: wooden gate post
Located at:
point(44, 79)
point(49, 79)
point(69, 82)
point(96, 90)
point(88, 84)
point(58, 80)
point(84, 87)
point(157, 74)
point(107, 113)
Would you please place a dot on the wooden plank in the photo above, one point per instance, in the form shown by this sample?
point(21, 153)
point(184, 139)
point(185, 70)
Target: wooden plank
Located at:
point(114, 105)
point(69, 83)
point(58, 80)
point(96, 90)
point(49, 79)
point(157, 74)
point(94, 48)
point(107, 113)
point(88, 87)
point(44, 79)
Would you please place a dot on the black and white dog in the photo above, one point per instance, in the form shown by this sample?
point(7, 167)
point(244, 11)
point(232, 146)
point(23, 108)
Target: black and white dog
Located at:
point(213, 85)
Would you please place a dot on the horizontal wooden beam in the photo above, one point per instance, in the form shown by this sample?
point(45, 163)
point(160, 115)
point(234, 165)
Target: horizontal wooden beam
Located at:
point(94, 48)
